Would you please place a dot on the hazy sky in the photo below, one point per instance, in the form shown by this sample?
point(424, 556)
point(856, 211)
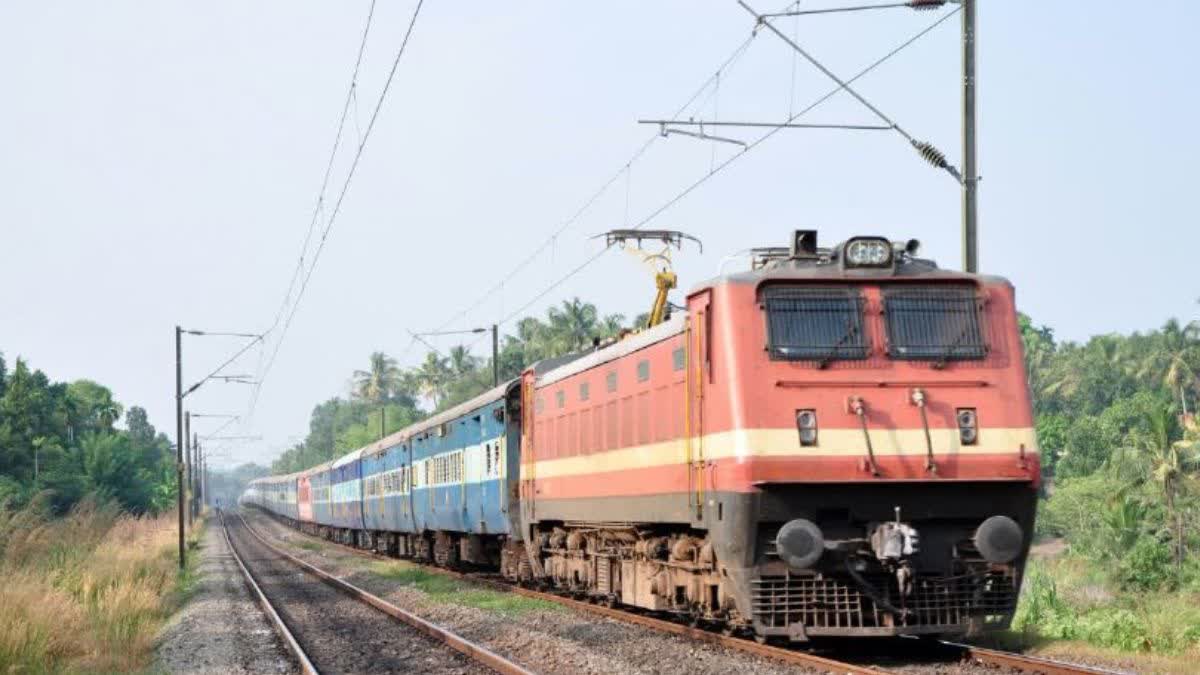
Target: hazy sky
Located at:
point(159, 163)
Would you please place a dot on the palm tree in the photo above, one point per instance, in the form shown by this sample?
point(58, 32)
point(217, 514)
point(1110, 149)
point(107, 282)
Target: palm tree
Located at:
point(1170, 462)
point(574, 324)
point(108, 413)
point(380, 381)
point(461, 362)
point(612, 325)
point(1174, 357)
point(434, 375)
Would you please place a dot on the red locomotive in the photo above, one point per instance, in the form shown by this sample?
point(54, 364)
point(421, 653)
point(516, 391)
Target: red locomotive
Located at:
point(838, 442)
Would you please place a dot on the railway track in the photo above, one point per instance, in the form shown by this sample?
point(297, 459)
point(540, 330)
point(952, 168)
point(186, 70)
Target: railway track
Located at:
point(337, 627)
point(934, 652)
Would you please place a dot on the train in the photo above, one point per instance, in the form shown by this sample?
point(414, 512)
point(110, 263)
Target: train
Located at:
point(837, 442)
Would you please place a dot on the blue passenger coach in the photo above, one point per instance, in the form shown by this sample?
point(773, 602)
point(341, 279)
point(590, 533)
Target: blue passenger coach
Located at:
point(442, 489)
point(345, 481)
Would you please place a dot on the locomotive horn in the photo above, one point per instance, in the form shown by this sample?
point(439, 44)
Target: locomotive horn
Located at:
point(999, 539)
point(800, 543)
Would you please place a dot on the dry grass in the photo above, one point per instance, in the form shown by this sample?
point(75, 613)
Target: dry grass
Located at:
point(85, 593)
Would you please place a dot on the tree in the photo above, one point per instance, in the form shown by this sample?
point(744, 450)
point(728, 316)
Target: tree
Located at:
point(92, 406)
point(1170, 462)
point(573, 325)
point(612, 325)
point(1174, 357)
point(378, 382)
point(461, 363)
point(434, 376)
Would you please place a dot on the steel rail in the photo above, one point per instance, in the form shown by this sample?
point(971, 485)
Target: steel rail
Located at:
point(991, 657)
point(1023, 663)
point(280, 627)
point(743, 645)
point(474, 651)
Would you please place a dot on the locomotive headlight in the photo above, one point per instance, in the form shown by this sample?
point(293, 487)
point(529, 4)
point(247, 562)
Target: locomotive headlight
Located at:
point(806, 424)
point(968, 426)
point(868, 252)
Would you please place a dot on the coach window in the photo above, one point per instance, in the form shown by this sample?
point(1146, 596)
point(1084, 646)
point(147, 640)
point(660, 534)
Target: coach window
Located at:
point(643, 370)
point(677, 359)
point(610, 381)
point(583, 391)
point(814, 323)
point(933, 323)
point(560, 397)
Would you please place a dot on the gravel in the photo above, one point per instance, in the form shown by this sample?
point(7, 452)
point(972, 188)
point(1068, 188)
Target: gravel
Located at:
point(341, 634)
point(553, 640)
point(221, 630)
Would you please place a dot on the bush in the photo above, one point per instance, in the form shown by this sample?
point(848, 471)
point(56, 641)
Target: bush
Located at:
point(1147, 566)
point(1116, 628)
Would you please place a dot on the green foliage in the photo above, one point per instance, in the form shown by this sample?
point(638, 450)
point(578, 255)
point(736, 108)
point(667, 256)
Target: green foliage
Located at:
point(1147, 566)
point(1060, 600)
point(441, 588)
point(61, 438)
point(1121, 463)
point(385, 398)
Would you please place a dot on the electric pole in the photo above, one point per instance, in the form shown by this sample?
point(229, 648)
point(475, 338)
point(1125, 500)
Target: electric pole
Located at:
point(189, 455)
point(195, 476)
point(179, 434)
point(495, 355)
point(180, 438)
point(970, 182)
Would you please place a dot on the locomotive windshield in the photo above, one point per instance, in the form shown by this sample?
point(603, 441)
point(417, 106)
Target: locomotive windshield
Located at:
point(818, 323)
point(933, 323)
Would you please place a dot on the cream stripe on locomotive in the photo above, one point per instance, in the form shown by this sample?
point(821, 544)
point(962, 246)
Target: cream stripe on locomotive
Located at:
point(783, 443)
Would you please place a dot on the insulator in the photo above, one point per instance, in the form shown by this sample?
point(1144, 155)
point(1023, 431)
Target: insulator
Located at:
point(931, 154)
point(921, 5)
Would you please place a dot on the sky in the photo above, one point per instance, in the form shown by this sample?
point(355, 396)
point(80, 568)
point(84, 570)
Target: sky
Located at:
point(160, 163)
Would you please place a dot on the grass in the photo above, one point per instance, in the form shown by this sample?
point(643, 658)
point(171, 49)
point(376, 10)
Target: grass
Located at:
point(441, 588)
point(87, 592)
point(309, 545)
point(1068, 599)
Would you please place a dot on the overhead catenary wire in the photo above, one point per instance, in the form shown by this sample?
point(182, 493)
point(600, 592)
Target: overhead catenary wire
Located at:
point(624, 171)
point(924, 148)
point(720, 167)
point(341, 197)
point(218, 369)
point(337, 138)
point(318, 206)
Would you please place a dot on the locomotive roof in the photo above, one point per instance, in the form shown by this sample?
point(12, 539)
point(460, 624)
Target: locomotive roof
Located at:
point(631, 344)
point(826, 269)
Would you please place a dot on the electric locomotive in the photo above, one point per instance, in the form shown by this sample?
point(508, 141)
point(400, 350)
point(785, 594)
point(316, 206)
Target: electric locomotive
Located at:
point(836, 442)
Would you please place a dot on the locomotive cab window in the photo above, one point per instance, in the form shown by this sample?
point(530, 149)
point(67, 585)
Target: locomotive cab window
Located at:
point(934, 323)
point(814, 323)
